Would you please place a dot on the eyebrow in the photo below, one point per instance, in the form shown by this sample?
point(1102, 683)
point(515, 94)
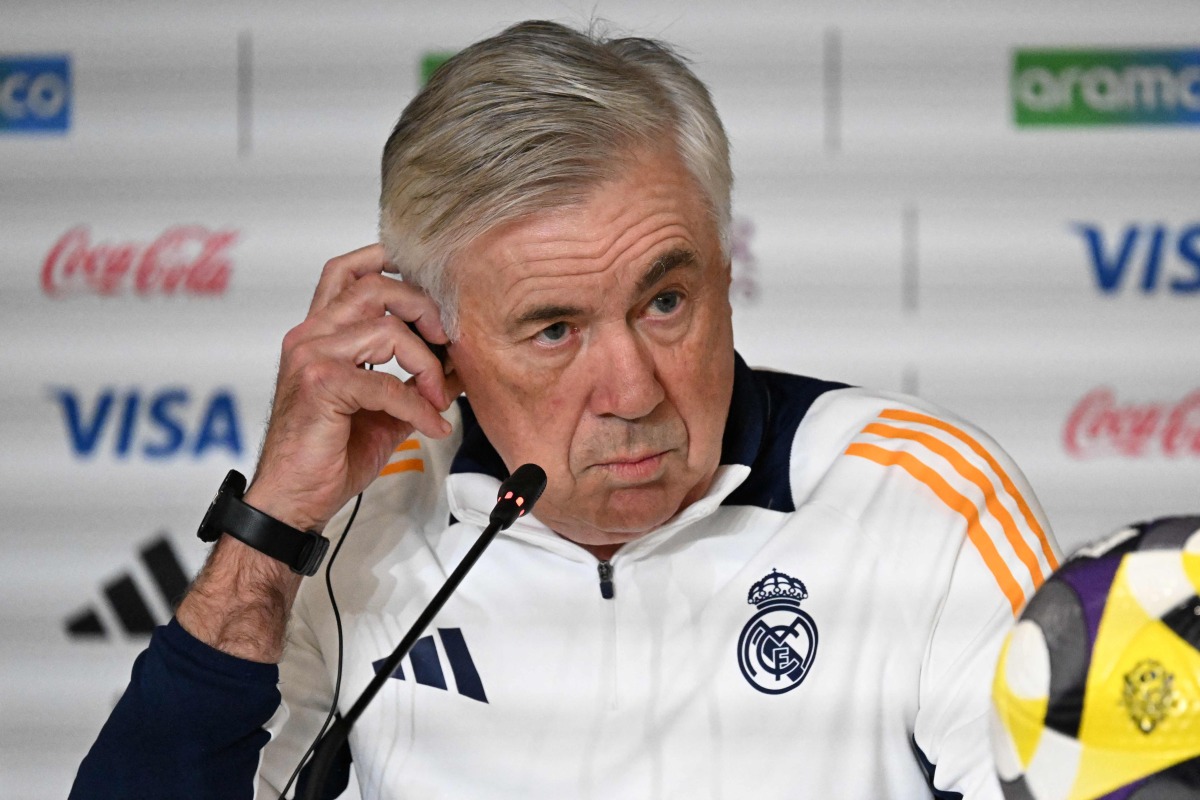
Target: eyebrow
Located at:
point(670, 260)
point(662, 266)
point(548, 314)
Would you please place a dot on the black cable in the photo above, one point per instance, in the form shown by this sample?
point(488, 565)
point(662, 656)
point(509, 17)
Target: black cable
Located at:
point(518, 494)
point(340, 731)
point(337, 618)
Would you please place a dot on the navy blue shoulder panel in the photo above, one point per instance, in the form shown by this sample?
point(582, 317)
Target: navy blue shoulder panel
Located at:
point(765, 413)
point(476, 453)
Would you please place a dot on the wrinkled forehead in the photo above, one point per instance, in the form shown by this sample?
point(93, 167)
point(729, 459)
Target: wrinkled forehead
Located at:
point(625, 236)
point(558, 297)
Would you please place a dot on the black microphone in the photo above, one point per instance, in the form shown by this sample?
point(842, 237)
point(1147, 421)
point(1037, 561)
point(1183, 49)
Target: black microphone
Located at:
point(516, 498)
point(518, 494)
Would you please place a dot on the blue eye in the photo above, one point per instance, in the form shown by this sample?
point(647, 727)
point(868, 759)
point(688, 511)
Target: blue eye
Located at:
point(666, 302)
point(552, 334)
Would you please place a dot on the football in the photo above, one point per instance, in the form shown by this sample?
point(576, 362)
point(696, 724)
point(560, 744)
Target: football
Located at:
point(1097, 689)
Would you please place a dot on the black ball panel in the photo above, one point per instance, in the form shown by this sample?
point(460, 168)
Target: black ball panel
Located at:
point(1168, 533)
point(1016, 789)
point(1056, 609)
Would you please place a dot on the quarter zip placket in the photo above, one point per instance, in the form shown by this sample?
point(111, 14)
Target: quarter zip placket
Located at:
point(607, 589)
point(612, 660)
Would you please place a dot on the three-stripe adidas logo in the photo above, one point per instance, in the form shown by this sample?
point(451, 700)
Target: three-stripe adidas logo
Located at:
point(953, 464)
point(130, 609)
point(427, 666)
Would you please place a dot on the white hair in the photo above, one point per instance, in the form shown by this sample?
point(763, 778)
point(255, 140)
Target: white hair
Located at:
point(532, 119)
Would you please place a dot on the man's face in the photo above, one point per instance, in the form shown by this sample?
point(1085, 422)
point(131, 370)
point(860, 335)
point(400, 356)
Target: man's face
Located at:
point(596, 342)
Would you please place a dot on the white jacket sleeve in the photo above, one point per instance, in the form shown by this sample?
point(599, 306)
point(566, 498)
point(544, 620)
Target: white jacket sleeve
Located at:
point(956, 512)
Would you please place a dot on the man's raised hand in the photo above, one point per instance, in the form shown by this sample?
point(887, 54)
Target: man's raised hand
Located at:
point(333, 424)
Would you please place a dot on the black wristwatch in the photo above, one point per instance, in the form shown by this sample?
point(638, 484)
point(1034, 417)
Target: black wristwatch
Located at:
point(303, 551)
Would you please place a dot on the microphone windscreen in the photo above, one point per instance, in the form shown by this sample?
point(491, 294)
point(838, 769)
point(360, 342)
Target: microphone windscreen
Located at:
point(518, 494)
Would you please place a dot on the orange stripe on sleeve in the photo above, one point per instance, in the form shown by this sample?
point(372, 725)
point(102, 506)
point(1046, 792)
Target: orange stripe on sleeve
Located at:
point(978, 536)
point(404, 465)
point(975, 476)
point(408, 444)
point(979, 450)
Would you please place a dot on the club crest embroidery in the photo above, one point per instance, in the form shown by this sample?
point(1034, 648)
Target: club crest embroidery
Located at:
point(779, 643)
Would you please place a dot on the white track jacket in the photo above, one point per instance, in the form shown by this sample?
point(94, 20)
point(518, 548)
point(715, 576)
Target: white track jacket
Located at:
point(823, 623)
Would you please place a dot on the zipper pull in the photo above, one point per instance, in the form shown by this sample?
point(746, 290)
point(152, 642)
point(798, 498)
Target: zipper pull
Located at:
point(606, 579)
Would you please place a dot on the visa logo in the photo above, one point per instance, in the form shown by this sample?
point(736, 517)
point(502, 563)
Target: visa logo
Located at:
point(35, 94)
point(1155, 257)
point(156, 424)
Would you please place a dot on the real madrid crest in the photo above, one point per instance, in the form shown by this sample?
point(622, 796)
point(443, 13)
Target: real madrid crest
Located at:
point(779, 643)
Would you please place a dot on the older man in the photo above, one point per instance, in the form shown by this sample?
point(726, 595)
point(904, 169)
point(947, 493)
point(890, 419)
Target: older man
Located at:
point(738, 583)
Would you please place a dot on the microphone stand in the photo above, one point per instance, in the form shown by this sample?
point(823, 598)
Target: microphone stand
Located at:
point(506, 512)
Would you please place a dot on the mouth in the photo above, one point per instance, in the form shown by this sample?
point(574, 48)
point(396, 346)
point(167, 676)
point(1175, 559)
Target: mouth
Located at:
point(635, 468)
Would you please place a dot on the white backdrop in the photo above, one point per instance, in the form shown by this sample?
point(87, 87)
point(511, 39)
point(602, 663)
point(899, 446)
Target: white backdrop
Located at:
point(897, 228)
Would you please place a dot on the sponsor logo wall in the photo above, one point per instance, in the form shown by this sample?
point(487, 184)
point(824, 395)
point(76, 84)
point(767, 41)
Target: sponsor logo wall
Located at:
point(994, 210)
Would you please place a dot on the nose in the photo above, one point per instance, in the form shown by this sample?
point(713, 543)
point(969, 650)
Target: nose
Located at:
point(623, 375)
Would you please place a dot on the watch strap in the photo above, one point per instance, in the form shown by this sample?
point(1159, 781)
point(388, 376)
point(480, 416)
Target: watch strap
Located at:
point(302, 551)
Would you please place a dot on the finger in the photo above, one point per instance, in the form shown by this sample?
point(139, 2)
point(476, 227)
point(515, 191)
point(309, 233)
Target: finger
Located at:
point(373, 296)
point(377, 341)
point(342, 271)
point(380, 391)
point(453, 387)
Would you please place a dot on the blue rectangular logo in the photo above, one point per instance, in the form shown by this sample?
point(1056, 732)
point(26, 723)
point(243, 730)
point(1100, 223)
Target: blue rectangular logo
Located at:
point(35, 94)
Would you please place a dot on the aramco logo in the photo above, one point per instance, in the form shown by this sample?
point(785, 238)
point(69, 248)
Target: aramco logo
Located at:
point(1106, 87)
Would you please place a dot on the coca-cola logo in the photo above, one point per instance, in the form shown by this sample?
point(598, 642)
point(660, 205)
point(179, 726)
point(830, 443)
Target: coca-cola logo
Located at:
point(184, 259)
point(1100, 426)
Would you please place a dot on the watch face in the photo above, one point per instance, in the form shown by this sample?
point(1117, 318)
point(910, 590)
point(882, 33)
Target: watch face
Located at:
point(233, 481)
point(205, 533)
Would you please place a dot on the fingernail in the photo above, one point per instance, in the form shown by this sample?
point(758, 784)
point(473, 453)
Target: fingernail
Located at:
point(446, 427)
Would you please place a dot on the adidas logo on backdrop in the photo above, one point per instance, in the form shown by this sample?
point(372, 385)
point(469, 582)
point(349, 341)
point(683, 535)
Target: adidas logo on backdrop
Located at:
point(129, 607)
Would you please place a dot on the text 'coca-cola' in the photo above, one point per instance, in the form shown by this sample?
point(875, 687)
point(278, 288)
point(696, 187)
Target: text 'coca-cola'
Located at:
point(184, 259)
point(1100, 426)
